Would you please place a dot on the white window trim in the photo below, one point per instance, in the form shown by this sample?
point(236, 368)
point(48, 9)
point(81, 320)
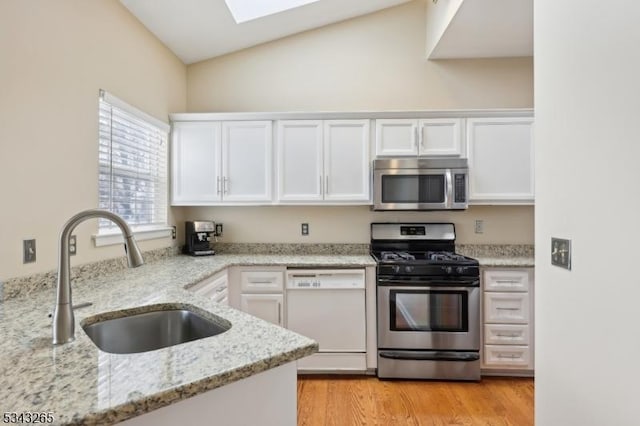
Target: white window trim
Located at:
point(143, 233)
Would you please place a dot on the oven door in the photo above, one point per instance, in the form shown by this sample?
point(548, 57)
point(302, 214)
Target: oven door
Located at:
point(434, 315)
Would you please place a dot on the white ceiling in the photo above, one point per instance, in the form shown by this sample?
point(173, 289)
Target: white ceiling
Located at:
point(196, 30)
point(488, 29)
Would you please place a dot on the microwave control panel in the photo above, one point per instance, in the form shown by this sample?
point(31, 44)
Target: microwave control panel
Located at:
point(460, 188)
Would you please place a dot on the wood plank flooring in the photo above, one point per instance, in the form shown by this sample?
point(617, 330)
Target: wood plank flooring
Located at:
point(365, 400)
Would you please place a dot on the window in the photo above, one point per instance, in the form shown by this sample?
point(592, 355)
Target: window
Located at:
point(132, 166)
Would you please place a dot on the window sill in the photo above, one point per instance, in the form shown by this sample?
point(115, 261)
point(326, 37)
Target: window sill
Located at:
point(141, 234)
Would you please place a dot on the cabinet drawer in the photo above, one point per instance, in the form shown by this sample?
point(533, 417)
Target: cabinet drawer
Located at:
point(212, 286)
point(261, 281)
point(506, 308)
point(506, 280)
point(506, 334)
point(507, 356)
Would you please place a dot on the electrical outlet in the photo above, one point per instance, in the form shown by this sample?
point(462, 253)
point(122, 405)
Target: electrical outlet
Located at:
point(173, 232)
point(73, 248)
point(219, 230)
point(304, 229)
point(479, 226)
point(28, 251)
point(561, 253)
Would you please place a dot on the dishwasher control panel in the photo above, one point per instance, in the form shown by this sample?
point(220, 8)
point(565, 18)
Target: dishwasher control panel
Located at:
point(325, 279)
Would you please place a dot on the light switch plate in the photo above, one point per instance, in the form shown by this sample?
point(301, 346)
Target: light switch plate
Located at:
point(28, 251)
point(561, 253)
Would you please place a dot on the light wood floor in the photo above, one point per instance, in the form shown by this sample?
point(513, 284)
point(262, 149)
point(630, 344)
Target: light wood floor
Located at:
point(350, 400)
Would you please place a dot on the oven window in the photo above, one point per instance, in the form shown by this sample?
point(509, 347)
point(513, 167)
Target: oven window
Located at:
point(429, 310)
point(413, 188)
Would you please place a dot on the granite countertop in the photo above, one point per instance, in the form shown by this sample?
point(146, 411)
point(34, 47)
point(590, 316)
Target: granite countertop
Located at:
point(508, 255)
point(80, 384)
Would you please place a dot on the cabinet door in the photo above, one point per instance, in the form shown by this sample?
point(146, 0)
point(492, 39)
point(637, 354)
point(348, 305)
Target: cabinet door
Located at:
point(396, 137)
point(300, 174)
point(247, 161)
point(500, 154)
point(195, 163)
point(347, 167)
point(265, 306)
point(440, 137)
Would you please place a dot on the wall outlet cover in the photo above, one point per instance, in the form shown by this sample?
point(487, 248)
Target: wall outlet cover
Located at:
point(304, 229)
point(28, 251)
point(561, 253)
point(479, 228)
point(219, 230)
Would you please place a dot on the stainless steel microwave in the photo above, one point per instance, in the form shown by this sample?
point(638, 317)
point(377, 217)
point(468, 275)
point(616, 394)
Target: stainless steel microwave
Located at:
point(420, 184)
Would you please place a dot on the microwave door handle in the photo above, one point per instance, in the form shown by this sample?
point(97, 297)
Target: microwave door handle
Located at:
point(448, 192)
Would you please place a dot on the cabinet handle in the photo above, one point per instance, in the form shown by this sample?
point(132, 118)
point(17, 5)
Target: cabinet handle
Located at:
point(327, 185)
point(260, 282)
point(507, 309)
point(415, 137)
point(512, 356)
point(420, 137)
point(507, 335)
point(279, 313)
point(507, 282)
point(225, 185)
point(321, 187)
point(218, 190)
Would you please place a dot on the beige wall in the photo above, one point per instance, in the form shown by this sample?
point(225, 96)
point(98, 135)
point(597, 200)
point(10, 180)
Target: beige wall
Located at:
point(376, 62)
point(55, 56)
point(351, 224)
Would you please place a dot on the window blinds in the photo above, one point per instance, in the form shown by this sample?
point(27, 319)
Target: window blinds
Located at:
point(132, 164)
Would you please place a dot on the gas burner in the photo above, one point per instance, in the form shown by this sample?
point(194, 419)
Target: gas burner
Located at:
point(396, 255)
point(446, 256)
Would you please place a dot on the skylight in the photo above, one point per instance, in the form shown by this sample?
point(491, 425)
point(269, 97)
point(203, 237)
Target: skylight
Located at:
point(247, 10)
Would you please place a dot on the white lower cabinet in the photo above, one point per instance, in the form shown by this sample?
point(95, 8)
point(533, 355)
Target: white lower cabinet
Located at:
point(215, 287)
point(265, 306)
point(508, 321)
point(259, 291)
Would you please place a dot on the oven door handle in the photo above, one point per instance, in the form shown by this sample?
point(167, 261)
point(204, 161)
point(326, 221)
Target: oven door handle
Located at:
point(435, 283)
point(431, 356)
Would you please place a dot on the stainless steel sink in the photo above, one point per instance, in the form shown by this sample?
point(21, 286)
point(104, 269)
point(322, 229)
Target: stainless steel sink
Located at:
point(152, 330)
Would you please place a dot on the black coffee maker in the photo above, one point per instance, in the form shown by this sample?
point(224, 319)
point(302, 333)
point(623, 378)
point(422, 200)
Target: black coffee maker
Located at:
point(197, 238)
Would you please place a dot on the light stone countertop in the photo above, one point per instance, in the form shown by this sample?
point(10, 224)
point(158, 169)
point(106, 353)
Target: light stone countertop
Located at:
point(80, 384)
point(507, 261)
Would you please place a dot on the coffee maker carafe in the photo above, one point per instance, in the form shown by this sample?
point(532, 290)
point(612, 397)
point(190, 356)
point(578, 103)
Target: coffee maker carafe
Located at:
point(198, 237)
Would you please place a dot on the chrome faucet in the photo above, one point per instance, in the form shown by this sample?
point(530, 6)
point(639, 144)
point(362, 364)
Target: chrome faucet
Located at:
point(63, 320)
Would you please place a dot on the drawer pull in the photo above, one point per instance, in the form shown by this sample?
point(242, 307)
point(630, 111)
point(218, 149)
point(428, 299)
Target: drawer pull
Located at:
point(511, 356)
point(508, 335)
point(507, 281)
point(260, 282)
point(507, 309)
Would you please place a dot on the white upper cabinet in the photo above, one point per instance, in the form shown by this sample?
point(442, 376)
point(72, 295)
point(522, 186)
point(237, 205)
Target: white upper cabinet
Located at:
point(195, 159)
point(299, 160)
point(221, 162)
point(501, 160)
point(429, 137)
point(323, 161)
point(246, 161)
point(346, 160)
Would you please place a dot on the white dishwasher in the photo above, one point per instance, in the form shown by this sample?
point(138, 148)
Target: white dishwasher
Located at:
point(328, 305)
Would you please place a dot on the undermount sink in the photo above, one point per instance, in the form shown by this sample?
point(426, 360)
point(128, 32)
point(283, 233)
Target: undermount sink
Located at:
point(148, 331)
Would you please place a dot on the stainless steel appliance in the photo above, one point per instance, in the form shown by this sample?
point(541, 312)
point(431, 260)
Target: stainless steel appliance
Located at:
point(197, 237)
point(428, 303)
point(420, 184)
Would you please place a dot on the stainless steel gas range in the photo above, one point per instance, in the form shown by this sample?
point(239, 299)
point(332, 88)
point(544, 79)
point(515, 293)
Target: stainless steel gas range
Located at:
point(428, 303)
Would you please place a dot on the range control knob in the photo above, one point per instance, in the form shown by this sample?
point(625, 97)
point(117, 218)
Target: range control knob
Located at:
point(447, 269)
point(461, 270)
point(408, 269)
point(396, 269)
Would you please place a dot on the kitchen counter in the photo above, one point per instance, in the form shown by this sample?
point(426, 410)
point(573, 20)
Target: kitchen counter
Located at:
point(508, 255)
point(80, 384)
